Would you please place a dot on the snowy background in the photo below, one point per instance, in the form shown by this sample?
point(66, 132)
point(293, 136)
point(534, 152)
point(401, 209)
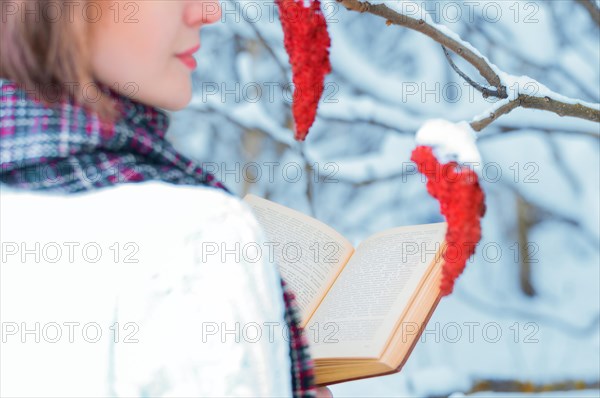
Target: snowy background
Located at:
point(525, 314)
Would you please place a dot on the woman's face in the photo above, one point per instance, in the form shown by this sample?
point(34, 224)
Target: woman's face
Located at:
point(135, 46)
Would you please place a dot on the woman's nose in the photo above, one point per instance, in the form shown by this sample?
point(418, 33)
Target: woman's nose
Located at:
point(202, 12)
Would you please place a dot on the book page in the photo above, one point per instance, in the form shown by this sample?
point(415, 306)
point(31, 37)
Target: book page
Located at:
point(309, 253)
point(362, 308)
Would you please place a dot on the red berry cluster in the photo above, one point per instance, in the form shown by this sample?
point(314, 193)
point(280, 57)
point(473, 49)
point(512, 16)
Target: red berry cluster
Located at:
point(462, 202)
point(307, 43)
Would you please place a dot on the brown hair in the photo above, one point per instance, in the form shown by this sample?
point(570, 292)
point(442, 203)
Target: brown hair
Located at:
point(47, 53)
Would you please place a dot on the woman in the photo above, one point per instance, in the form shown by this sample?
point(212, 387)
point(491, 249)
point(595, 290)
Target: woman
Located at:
point(85, 85)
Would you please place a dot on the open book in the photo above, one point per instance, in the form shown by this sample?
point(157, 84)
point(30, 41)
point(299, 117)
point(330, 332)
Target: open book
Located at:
point(363, 309)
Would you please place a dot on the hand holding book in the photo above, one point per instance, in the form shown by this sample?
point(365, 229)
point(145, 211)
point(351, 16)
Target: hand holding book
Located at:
point(363, 308)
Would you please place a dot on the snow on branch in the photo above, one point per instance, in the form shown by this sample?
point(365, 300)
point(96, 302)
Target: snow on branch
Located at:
point(450, 141)
point(528, 93)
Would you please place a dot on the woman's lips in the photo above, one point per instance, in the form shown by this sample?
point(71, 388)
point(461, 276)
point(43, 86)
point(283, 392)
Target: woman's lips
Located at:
point(187, 57)
point(188, 60)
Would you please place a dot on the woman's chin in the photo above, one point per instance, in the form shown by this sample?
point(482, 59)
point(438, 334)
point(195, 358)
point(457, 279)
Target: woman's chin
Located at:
point(176, 98)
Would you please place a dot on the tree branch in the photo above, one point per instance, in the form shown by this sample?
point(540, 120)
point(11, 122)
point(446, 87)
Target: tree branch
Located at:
point(526, 62)
point(370, 122)
point(540, 103)
point(461, 48)
point(506, 108)
point(592, 9)
point(420, 25)
point(527, 387)
point(505, 129)
point(483, 90)
point(264, 42)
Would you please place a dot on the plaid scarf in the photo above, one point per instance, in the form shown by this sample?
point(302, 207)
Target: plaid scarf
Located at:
point(54, 148)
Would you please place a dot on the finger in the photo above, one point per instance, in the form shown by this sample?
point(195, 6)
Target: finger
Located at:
point(324, 392)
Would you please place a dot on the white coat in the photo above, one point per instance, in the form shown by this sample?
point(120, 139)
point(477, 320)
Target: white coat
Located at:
point(120, 292)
